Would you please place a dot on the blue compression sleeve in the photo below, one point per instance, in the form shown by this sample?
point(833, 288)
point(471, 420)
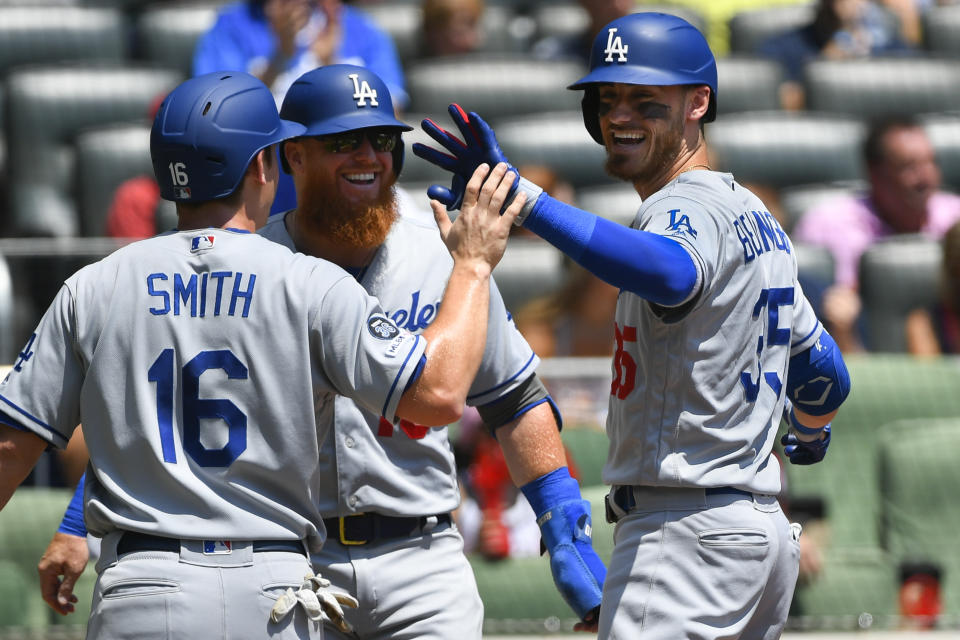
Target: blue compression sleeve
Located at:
point(73, 522)
point(652, 266)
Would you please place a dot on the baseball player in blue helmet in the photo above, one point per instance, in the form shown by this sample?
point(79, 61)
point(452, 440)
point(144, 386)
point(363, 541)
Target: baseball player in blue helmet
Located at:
point(715, 344)
point(388, 500)
point(198, 362)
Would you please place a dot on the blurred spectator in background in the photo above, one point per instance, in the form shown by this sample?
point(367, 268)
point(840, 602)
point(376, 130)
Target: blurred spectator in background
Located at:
point(451, 27)
point(840, 29)
point(573, 321)
point(904, 197)
point(494, 517)
point(133, 211)
point(936, 331)
point(577, 46)
point(278, 40)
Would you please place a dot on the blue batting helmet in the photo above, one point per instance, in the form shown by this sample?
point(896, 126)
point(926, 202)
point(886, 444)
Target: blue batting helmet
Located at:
point(208, 130)
point(342, 97)
point(654, 49)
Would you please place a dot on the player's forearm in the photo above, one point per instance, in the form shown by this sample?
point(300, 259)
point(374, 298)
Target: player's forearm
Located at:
point(652, 266)
point(811, 421)
point(455, 345)
point(19, 452)
point(531, 445)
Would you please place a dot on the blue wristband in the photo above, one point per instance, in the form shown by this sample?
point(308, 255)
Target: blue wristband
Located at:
point(73, 523)
point(551, 489)
point(801, 429)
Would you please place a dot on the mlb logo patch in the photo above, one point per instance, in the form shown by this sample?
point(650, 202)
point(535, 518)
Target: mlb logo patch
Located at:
point(181, 193)
point(202, 243)
point(217, 547)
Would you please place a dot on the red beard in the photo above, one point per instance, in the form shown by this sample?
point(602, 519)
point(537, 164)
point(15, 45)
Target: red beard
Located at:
point(326, 211)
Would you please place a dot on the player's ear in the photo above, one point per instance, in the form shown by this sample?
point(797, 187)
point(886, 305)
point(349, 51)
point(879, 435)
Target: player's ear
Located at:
point(293, 153)
point(260, 166)
point(697, 101)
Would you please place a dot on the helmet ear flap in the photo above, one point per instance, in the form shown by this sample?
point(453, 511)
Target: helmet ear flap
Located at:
point(591, 116)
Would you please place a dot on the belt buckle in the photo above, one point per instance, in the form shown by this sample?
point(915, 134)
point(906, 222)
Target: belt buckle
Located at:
point(343, 530)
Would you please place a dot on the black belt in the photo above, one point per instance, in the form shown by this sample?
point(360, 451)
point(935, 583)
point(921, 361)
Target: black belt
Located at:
point(363, 528)
point(131, 541)
point(622, 496)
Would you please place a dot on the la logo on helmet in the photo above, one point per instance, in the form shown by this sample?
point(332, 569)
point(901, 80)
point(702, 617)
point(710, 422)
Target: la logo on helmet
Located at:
point(614, 46)
point(362, 91)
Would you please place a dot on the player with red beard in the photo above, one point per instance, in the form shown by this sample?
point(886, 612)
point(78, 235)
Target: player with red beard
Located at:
point(392, 488)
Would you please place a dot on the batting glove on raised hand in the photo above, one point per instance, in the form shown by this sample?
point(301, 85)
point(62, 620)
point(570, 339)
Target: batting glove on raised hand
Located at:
point(566, 527)
point(800, 451)
point(479, 145)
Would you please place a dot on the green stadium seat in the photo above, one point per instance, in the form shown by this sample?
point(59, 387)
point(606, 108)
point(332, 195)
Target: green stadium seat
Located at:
point(814, 262)
point(885, 387)
point(897, 275)
point(854, 581)
point(27, 523)
point(588, 447)
point(46, 109)
point(797, 200)
point(920, 481)
point(40, 34)
point(943, 129)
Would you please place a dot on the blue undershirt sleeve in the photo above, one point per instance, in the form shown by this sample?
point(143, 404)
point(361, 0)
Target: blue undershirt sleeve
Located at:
point(73, 522)
point(652, 266)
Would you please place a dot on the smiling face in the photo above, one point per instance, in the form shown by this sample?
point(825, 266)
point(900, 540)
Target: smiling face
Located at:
point(643, 129)
point(346, 195)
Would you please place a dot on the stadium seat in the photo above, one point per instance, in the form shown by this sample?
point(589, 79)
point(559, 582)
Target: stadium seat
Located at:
point(529, 268)
point(167, 34)
point(565, 19)
point(751, 27)
point(748, 83)
point(857, 588)
point(618, 201)
point(797, 200)
point(870, 88)
point(555, 139)
point(814, 263)
point(897, 275)
point(941, 30)
point(105, 158)
point(403, 21)
point(27, 523)
point(47, 109)
point(415, 169)
point(944, 132)
point(779, 149)
point(885, 388)
point(10, 339)
point(919, 480)
point(493, 86)
point(38, 34)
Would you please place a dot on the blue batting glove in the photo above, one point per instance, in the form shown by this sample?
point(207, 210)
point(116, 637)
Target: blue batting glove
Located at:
point(479, 145)
point(797, 450)
point(564, 520)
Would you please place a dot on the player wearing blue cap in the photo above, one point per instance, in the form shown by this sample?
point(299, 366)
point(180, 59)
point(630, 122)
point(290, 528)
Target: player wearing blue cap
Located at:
point(388, 489)
point(198, 362)
point(715, 341)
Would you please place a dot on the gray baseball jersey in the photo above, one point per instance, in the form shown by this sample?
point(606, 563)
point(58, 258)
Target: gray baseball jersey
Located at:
point(197, 362)
point(697, 402)
point(369, 464)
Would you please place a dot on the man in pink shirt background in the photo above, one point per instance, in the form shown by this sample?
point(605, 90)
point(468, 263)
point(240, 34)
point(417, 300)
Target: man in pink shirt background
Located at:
point(904, 198)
